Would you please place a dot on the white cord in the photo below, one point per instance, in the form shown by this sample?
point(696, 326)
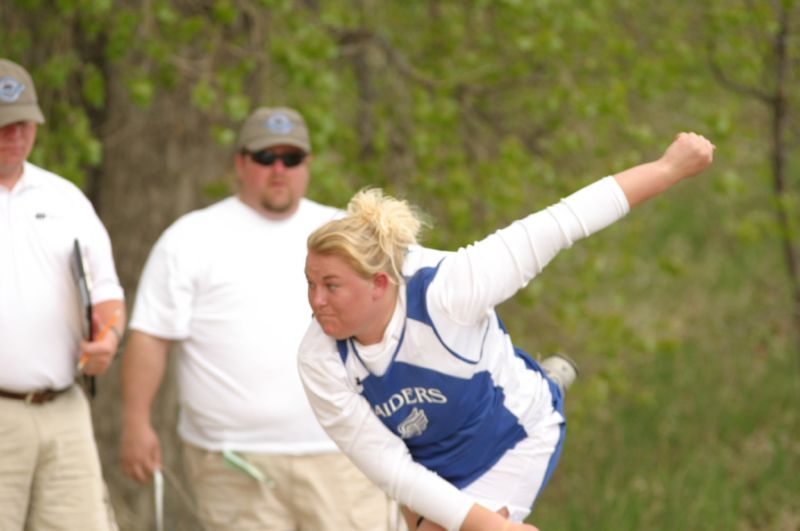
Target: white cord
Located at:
point(158, 499)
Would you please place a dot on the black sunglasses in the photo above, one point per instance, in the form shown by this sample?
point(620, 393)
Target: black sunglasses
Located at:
point(266, 157)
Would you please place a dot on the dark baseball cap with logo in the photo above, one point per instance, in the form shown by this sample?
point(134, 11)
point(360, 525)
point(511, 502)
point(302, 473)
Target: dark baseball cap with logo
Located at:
point(18, 101)
point(273, 126)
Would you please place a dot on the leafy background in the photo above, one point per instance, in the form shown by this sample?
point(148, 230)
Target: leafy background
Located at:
point(684, 318)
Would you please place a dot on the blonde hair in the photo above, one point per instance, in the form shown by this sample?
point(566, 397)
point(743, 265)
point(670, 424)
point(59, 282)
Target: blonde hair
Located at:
point(373, 236)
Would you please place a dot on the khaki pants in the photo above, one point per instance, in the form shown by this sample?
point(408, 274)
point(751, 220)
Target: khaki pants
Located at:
point(311, 493)
point(50, 475)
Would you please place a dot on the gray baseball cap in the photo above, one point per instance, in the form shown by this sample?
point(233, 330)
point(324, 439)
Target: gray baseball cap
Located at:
point(18, 101)
point(273, 126)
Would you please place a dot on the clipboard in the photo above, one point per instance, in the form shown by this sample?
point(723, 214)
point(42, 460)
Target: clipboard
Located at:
point(83, 281)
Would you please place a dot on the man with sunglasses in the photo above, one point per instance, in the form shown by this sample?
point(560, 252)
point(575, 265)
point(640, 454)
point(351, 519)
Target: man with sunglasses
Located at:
point(226, 285)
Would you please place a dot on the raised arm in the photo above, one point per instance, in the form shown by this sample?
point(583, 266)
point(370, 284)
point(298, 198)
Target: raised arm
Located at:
point(489, 272)
point(688, 155)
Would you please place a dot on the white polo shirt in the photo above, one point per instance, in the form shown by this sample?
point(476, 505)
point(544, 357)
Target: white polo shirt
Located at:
point(229, 286)
point(40, 326)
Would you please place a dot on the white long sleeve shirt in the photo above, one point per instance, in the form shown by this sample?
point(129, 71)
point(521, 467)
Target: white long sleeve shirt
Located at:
point(440, 399)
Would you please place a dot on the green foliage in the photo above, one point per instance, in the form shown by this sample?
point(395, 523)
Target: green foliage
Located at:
point(216, 190)
point(85, 151)
point(121, 33)
point(94, 87)
point(203, 96)
point(141, 90)
point(224, 12)
point(700, 453)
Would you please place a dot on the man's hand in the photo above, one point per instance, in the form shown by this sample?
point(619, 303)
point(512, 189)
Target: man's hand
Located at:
point(97, 355)
point(108, 323)
point(140, 452)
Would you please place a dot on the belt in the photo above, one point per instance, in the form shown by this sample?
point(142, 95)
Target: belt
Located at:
point(35, 397)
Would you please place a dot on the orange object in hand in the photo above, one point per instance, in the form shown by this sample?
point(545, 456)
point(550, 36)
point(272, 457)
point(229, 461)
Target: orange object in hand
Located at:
point(111, 322)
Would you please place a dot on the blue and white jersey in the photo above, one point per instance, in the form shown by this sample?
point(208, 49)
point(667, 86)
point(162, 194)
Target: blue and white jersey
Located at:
point(445, 394)
point(449, 407)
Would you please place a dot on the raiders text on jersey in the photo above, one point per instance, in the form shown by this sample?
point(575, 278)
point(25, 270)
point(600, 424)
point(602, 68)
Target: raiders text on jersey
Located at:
point(410, 395)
